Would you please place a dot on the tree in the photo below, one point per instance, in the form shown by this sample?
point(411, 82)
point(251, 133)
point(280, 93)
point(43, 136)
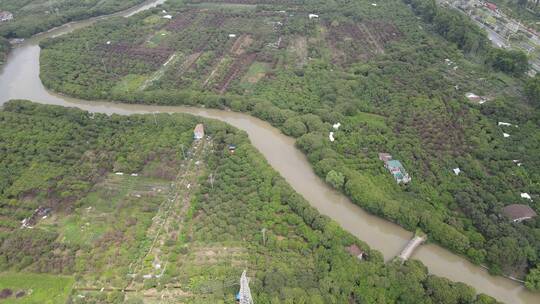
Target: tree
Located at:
point(294, 127)
point(532, 89)
point(532, 281)
point(508, 61)
point(336, 179)
point(505, 254)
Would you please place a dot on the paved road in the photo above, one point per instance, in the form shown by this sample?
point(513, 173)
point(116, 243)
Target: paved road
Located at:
point(498, 40)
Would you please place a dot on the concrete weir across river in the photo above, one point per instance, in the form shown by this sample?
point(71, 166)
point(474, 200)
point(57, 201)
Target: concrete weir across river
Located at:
point(19, 79)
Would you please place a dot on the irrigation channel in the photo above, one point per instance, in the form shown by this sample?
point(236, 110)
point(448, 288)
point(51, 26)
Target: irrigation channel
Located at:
point(19, 79)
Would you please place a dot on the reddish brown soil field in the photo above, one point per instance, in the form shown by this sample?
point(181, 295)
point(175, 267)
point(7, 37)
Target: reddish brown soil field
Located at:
point(240, 65)
point(354, 41)
point(117, 54)
point(181, 21)
point(249, 1)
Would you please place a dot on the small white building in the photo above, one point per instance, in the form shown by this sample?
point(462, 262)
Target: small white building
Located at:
point(457, 171)
point(336, 126)
point(198, 133)
point(5, 16)
point(331, 136)
point(473, 97)
point(167, 17)
point(526, 196)
point(313, 16)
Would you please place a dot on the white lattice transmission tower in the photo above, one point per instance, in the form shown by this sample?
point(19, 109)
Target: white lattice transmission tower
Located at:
point(245, 293)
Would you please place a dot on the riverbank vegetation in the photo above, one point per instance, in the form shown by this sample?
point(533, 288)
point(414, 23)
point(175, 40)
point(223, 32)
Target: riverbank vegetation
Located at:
point(31, 17)
point(395, 76)
point(35, 16)
point(133, 203)
point(4, 50)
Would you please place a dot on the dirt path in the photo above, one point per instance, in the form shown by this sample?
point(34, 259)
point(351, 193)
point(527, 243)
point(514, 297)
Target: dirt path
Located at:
point(214, 71)
point(239, 65)
point(371, 39)
point(169, 220)
point(189, 62)
point(240, 45)
point(159, 73)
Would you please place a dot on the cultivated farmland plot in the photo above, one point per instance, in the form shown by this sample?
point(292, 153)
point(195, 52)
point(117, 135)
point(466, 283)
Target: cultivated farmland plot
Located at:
point(223, 46)
point(349, 80)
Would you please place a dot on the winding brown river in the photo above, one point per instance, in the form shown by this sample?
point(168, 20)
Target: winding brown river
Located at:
point(19, 79)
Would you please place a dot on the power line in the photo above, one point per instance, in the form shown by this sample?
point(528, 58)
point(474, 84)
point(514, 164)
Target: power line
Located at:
point(245, 292)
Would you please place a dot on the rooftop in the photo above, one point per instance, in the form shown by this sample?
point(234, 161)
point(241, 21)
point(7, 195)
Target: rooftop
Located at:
point(517, 212)
point(385, 157)
point(394, 164)
point(355, 250)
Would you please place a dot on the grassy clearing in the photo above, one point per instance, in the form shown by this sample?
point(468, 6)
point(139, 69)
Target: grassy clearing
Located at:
point(373, 120)
point(256, 72)
point(110, 223)
point(108, 205)
point(38, 288)
point(298, 50)
point(128, 83)
point(157, 38)
point(153, 20)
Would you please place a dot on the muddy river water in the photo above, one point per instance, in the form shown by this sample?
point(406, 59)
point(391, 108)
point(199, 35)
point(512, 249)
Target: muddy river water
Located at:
point(19, 79)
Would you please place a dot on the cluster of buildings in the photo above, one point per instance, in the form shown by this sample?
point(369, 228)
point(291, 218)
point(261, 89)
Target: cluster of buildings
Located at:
point(396, 168)
point(5, 16)
point(503, 30)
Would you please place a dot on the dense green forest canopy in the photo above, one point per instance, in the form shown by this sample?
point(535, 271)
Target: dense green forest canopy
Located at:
point(395, 76)
point(35, 16)
point(100, 224)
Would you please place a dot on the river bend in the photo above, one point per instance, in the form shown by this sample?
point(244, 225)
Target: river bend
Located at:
point(19, 79)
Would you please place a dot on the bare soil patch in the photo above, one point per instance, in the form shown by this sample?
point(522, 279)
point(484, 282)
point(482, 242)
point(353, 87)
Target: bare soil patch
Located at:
point(240, 45)
point(298, 47)
point(240, 65)
point(360, 41)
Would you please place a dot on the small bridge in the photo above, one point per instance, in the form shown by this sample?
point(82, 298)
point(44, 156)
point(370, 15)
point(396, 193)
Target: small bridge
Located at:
point(411, 246)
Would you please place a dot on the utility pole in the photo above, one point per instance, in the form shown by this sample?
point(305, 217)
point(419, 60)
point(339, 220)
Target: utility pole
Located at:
point(212, 180)
point(245, 292)
point(264, 236)
point(104, 65)
point(182, 147)
point(155, 121)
